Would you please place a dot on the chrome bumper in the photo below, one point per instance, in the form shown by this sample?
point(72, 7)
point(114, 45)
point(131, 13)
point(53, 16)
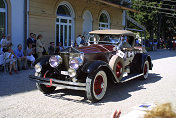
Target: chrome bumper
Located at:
point(58, 83)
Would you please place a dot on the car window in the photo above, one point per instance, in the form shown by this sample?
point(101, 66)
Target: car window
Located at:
point(104, 39)
point(126, 42)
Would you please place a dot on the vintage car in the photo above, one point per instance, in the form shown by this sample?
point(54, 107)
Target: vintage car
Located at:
point(111, 55)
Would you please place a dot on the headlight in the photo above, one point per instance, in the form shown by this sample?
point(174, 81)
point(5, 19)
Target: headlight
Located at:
point(76, 62)
point(38, 67)
point(54, 61)
point(72, 72)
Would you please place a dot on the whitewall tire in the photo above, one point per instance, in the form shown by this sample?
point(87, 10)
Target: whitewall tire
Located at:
point(96, 86)
point(146, 70)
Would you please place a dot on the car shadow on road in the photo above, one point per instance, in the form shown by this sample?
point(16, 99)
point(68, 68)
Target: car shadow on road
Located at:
point(115, 92)
point(122, 91)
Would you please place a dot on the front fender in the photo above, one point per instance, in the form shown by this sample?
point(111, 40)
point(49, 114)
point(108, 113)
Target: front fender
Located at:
point(43, 60)
point(92, 66)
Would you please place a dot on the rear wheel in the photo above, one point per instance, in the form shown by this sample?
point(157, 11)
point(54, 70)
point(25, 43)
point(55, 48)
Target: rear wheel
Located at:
point(96, 85)
point(145, 70)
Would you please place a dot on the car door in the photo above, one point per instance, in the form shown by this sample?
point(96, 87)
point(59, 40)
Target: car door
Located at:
point(127, 48)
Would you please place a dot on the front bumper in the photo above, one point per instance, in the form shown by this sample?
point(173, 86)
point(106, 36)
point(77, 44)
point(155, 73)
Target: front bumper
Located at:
point(58, 83)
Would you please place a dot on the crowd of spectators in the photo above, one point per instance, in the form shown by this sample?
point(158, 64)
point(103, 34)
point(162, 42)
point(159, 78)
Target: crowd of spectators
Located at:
point(80, 41)
point(18, 58)
point(22, 58)
point(168, 43)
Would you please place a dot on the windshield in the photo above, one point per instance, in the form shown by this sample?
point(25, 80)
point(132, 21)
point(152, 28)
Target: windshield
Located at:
point(104, 39)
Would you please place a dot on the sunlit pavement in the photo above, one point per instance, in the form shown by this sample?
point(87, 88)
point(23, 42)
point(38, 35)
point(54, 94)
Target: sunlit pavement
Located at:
point(19, 97)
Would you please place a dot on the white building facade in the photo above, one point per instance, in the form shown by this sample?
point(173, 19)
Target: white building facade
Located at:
point(20, 17)
point(12, 20)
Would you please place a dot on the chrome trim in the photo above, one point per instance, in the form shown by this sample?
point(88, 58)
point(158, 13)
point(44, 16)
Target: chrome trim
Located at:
point(63, 86)
point(57, 81)
point(132, 78)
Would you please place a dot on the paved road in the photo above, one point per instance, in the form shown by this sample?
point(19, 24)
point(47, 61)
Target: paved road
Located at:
point(19, 97)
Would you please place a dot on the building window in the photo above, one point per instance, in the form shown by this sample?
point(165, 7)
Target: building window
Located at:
point(64, 24)
point(104, 20)
point(3, 16)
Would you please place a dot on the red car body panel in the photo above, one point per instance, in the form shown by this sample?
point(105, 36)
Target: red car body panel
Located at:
point(97, 48)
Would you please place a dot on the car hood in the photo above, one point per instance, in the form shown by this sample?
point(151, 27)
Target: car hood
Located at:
point(97, 48)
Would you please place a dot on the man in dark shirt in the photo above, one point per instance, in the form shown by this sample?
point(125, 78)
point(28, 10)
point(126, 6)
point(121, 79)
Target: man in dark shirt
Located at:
point(51, 48)
point(30, 40)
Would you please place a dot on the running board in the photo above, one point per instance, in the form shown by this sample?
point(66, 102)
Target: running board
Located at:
point(130, 77)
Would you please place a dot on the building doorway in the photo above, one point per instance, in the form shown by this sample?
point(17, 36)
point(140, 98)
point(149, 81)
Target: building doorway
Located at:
point(3, 18)
point(65, 25)
point(87, 23)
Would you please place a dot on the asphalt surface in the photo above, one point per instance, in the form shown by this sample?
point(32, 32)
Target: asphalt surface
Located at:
point(19, 97)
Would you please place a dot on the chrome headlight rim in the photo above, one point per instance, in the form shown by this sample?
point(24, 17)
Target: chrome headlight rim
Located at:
point(55, 61)
point(75, 63)
point(38, 68)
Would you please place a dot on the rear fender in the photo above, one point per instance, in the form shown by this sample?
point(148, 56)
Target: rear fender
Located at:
point(138, 62)
point(146, 57)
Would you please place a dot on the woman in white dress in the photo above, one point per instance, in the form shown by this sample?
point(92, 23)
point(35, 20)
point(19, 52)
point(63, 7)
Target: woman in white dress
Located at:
point(10, 58)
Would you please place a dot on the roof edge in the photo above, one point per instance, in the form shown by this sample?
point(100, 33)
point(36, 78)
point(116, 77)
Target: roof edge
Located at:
point(117, 6)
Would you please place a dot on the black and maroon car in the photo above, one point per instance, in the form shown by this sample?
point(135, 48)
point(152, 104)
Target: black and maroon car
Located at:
point(111, 55)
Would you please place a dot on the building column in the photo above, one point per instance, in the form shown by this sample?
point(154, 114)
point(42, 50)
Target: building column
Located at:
point(17, 20)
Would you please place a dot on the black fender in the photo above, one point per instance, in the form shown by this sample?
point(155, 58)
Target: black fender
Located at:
point(137, 64)
point(43, 60)
point(92, 66)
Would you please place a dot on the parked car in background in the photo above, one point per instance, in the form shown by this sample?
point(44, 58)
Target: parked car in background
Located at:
point(110, 56)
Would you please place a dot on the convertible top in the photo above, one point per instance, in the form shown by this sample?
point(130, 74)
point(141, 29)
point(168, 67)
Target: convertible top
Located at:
point(113, 32)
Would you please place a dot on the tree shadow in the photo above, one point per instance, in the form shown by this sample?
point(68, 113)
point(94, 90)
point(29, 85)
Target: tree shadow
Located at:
point(115, 92)
point(162, 53)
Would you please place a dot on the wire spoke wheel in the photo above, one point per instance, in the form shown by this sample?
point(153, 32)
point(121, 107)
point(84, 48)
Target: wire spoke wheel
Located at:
point(119, 69)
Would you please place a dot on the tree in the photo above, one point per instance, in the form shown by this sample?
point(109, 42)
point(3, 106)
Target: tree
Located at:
point(158, 16)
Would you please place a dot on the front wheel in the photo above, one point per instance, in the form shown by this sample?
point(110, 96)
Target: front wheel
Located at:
point(96, 85)
point(145, 70)
point(45, 89)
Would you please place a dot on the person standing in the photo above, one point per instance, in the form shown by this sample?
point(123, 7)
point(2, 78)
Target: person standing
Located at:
point(6, 42)
point(59, 48)
point(170, 45)
point(51, 48)
point(3, 38)
point(21, 59)
point(30, 39)
point(39, 46)
point(78, 40)
point(83, 42)
point(174, 44)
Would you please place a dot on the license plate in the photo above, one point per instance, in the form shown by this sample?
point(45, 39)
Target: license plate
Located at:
point(64, 72)
point(121, 54)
